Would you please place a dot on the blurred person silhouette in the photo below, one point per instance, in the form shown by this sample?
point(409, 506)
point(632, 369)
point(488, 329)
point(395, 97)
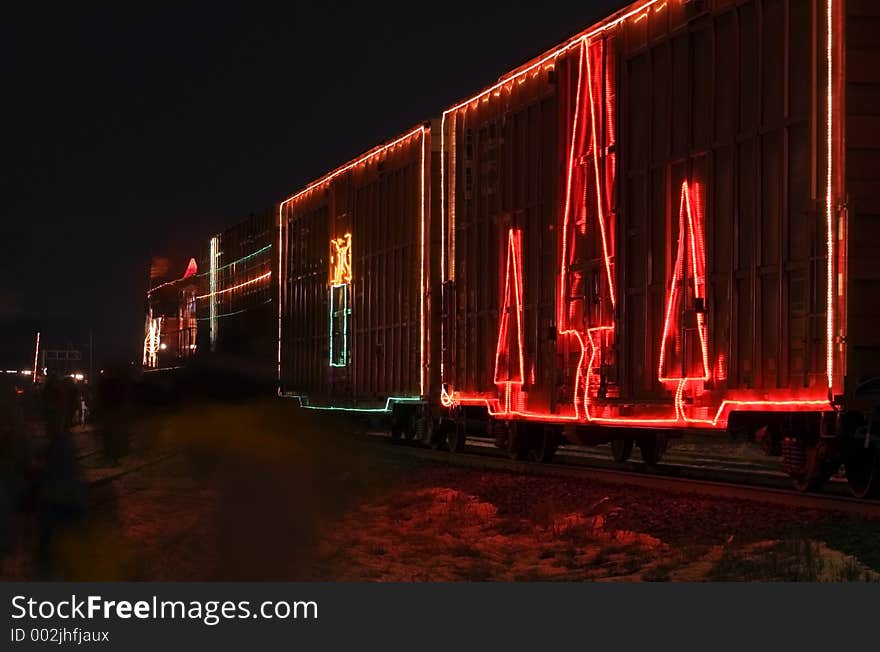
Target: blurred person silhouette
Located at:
point(112, 415)
point(60, 491)
point(14, 467)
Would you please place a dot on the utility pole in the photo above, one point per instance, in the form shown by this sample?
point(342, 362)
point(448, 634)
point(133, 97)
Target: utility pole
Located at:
point(36, 357)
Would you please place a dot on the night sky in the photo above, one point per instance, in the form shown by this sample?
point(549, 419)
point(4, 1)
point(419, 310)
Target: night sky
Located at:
point(134, 133)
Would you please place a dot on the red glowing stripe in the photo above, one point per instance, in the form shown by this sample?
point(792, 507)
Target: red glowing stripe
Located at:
point(422, 280)
point(756, 406)
point(603, 25)
point(259, 278)
point(376, 151)
point(829, 204)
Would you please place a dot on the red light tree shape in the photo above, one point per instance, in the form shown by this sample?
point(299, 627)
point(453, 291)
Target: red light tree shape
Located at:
point(587, 293)
point(684, 349)
point(509, 352)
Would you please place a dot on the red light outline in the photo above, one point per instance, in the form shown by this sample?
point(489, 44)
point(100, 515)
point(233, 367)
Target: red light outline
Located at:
point(502, 348)
point(687, 230)
point(694, 226)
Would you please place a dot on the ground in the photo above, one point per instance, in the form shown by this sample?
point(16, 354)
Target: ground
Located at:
point(268, 492)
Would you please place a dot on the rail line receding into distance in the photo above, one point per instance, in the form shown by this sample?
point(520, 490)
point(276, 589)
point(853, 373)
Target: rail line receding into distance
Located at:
point(666, 478)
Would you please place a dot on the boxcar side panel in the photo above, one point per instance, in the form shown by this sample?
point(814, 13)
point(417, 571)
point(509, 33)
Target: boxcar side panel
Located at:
point(689, 203)
point(355, 279)
point(863, 188)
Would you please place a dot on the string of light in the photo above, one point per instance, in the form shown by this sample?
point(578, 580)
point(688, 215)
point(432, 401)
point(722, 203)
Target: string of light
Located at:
point(238, 286)
point(218, 269)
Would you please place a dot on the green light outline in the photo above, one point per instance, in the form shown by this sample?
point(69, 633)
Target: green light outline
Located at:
point(389, 404)
point(345, 314)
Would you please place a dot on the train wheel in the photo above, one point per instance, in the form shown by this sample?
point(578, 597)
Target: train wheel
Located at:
point(652, 449)
point(863, 472)
point(621, 449)
point(517, 441)
point(456, 438)
point(544, 446)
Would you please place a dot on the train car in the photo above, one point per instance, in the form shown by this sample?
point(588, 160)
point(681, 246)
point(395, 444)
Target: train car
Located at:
point(171, 321)
point(669, 222)
point(354, 292)
point(220, 316)
point(237, 305)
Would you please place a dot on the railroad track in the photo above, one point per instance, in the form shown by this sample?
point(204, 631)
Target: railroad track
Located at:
point(708, 478)
point(747, 486)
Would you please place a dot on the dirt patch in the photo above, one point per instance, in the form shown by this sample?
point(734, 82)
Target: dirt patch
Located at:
point(456, 524)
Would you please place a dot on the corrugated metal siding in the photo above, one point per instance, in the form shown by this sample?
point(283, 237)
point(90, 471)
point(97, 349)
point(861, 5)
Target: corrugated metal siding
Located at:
point(379, 202)
point(725, 101)
point(246, 322)
point(863, 187)
point(504, 175)
point(722, 98)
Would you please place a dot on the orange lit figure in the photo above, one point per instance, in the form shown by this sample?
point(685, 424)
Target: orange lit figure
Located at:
point(509, 354)
point(340, 260)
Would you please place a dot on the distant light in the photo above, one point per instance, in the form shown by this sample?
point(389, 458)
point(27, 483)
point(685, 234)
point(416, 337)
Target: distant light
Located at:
point(26, 372)
point(192, 346)
point(77, 376)
point(11, 371)
point(163, 346)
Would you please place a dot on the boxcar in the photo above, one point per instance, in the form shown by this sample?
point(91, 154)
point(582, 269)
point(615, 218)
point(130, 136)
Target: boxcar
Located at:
point(220, 315)
point(353, 307)
point(670, 221)
point(171, 322)
point(237, 310)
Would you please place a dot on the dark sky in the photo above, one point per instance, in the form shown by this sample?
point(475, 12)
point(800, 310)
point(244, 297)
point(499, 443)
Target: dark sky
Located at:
point(136, 132)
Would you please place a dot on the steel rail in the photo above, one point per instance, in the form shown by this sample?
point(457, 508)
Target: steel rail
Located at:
point(658, 478)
